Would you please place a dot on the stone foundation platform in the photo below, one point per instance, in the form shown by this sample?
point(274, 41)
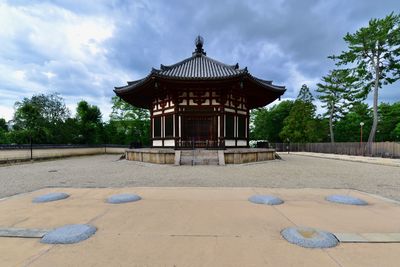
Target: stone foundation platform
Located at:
point(200, 156)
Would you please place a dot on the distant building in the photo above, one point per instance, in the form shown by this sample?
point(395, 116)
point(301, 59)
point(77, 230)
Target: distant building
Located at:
point(200, 102)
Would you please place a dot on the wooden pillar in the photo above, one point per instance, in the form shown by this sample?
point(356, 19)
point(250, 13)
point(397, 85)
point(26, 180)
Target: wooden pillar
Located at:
point(248, 128)
point(151, 127)
point(222, 120)
point(176, 122)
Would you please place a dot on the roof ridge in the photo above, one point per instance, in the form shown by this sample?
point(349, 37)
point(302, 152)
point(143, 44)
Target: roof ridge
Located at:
point(167, 67)
point(234, 67)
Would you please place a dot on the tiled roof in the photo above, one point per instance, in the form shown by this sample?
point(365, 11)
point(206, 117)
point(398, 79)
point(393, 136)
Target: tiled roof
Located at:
point(199, 66)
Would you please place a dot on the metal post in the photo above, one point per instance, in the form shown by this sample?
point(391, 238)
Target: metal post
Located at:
point(361, 138)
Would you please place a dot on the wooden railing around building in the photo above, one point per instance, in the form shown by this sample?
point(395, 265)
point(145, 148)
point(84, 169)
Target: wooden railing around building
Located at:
point(376, 149)
point(207, 144)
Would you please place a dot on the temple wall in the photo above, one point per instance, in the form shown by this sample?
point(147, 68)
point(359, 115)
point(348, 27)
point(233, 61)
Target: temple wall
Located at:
point(169, 110)
point(230, 143)
point(169, 142)
point(242, 143)
point(159, 156)
point(190, 99)
point(48, 153)
point(236, 156)
point(229, 156)
point(157, 143)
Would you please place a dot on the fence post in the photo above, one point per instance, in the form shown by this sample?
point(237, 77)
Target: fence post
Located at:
point(31, 147)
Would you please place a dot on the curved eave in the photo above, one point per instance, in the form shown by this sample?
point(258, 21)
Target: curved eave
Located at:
point(136, 93)
point(260, 92)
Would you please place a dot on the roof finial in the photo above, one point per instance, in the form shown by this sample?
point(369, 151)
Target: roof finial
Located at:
point(199, 41)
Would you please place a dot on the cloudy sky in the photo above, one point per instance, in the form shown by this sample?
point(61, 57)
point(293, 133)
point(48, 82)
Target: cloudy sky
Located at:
point(82, 49)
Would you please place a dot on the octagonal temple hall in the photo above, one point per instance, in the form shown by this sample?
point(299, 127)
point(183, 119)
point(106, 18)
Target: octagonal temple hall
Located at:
point(200, 102)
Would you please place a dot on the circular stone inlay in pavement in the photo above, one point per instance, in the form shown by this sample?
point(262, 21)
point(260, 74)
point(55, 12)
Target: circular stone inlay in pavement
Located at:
point(69, 234)
point(309, 237)
point(266, 200)
point(123, 198)
point(50, 197)
point(343, 199)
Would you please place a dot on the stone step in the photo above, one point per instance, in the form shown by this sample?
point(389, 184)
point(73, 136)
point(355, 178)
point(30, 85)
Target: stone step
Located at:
point(186, 160)
point(199, 157)
point(206, 162)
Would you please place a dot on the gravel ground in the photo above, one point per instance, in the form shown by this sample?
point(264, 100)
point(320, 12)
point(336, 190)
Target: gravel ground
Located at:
point(291, 172)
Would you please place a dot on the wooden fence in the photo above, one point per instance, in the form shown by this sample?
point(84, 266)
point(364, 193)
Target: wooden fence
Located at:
point(377, 149)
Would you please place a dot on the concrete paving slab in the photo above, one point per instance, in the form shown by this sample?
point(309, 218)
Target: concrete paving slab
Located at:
point(379, 237)
point(366, 255)
point(363, 159)
point(129, 250)
point(395, 236)
point(195, 193)
point(208, 218)
point(260, 252)
point(23, 232)
point(198, 227)
point(350, 238)
point(20, 251)
point(338, 218)
point(368, 237)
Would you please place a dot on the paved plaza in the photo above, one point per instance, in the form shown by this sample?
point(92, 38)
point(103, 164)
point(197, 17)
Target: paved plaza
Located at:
point(201, 215)
point(198, 227)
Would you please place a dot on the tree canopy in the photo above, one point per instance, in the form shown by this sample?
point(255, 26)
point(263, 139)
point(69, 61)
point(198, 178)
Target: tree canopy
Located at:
point(267, 123)
point(336, 94)
point(374, 55)
point(38, 117)
point(301, 125)
point(128, 124)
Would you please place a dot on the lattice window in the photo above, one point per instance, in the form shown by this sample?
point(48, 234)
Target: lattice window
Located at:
point(230, 126)
point(169, 126)
point(157, 126)
point(241, 126)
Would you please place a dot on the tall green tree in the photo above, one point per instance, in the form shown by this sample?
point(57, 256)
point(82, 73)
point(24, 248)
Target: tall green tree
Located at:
point(301, 126)
point(267, 123)
point(396, 132)
point(305, 94)
point(3, 125)
point(90, 124)
point(3, 132)
point(375, 52)
point(122, 110)
point(389, 117)
point(128, 124)
point(39, 118)
point(335, 93)
point(348, 128)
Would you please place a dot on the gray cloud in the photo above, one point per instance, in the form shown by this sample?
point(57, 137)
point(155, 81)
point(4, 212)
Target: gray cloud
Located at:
point(286, 41)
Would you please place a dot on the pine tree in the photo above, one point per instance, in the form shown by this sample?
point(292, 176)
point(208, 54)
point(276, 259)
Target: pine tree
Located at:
point(336, 94)
point(300, 126)
point(375, 52)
